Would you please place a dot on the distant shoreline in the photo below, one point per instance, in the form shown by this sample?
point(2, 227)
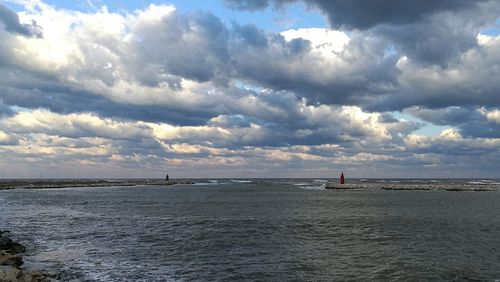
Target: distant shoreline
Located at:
point(454, 186)
point(331, 184)
point(59, 183)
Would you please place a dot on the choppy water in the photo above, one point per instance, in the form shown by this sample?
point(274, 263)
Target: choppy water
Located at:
point(271, 230)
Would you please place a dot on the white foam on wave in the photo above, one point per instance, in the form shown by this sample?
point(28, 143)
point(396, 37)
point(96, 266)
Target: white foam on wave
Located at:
point(301, 184)
point(313, 187)
point(240, 181)
point(209, 183)
point(486, 182)
point(480, 182)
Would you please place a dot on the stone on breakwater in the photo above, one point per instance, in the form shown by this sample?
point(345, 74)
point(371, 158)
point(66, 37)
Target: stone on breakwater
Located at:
point(178, 181)
point(54, 183)
point(444, 186)
point(10, 262)
point(16, 275)
point(12, 275)
point(9, 246)
point(331, 185)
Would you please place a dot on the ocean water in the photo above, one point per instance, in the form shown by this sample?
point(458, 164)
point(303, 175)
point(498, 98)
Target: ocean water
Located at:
point(258, 230)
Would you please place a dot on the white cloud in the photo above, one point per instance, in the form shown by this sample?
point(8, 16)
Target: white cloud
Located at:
point(155, 86)
point(492, 116)
point(76, 125)
point(4, 137)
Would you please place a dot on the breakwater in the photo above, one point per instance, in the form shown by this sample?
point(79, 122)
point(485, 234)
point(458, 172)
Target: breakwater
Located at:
point(11, 261)
point(67, 183)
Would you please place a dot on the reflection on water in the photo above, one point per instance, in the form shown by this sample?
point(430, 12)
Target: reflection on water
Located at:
point(258, 230)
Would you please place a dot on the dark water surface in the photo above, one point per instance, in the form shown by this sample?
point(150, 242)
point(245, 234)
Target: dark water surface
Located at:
point(265, 230)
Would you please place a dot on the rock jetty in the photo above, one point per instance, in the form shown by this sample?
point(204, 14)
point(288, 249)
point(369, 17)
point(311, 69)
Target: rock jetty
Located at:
point(11, 261)
point(68, 183)
point(338, 186)
point(407, 186)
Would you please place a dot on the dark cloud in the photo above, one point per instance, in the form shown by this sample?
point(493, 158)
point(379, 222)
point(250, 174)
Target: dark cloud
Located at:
point(469, 121)
point(4, 109)
point(387, 118)
point(366, 14)
point(455, 149)
point(192, 47)
point(139, 146)
point(250, 35)
point(60, 101)
point(32, 90)
point(199, 47)
point(230, 121)
point(430, 31)
point(360, 71)
point(10, 21)
point(480, 129)
point(248, 4)
point(437, 37)
point(447, 116)
point(430, 42)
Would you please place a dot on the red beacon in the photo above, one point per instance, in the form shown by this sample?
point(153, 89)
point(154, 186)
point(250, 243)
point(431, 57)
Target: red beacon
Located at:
point(342, 180)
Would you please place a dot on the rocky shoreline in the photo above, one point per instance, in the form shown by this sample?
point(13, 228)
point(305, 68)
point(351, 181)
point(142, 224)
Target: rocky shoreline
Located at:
point(465, 187)
point(11, 262)
point(58, 183)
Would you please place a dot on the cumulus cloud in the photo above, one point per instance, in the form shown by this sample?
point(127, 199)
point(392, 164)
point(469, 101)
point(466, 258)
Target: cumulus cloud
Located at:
point(432, 32)
point(9, 20)
point(155, 86)
point(492, 115)
point(362, 14)
point(73, 125)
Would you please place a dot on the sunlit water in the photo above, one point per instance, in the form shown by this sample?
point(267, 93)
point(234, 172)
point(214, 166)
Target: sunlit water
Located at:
point(262, 230)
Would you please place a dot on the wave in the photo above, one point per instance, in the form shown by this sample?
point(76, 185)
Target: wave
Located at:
point(312, 187)
point(483, 182)
point(240, 181)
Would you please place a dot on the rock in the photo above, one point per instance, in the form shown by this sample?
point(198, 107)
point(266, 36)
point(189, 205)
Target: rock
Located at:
point(53, 275)
point(13, 275)
point(5, 242)
point(28, 278)
point(9, 246)
point(36, 274)
point(16, 275)
point(17, 248)
point(11, 260)
point(10, 263)
point(337, 186)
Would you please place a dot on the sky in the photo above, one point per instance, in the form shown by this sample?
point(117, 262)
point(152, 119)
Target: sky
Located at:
point(240, 88)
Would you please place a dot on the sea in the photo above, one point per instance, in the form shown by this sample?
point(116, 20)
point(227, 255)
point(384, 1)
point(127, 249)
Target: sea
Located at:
point(255, 230)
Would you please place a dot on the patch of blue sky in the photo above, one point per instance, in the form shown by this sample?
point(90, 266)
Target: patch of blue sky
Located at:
point(14, 6)
point(274, 19)
point(390, 51)
point(18, 109)
point(492, 30)
point(243, 85)
point(428, 129)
